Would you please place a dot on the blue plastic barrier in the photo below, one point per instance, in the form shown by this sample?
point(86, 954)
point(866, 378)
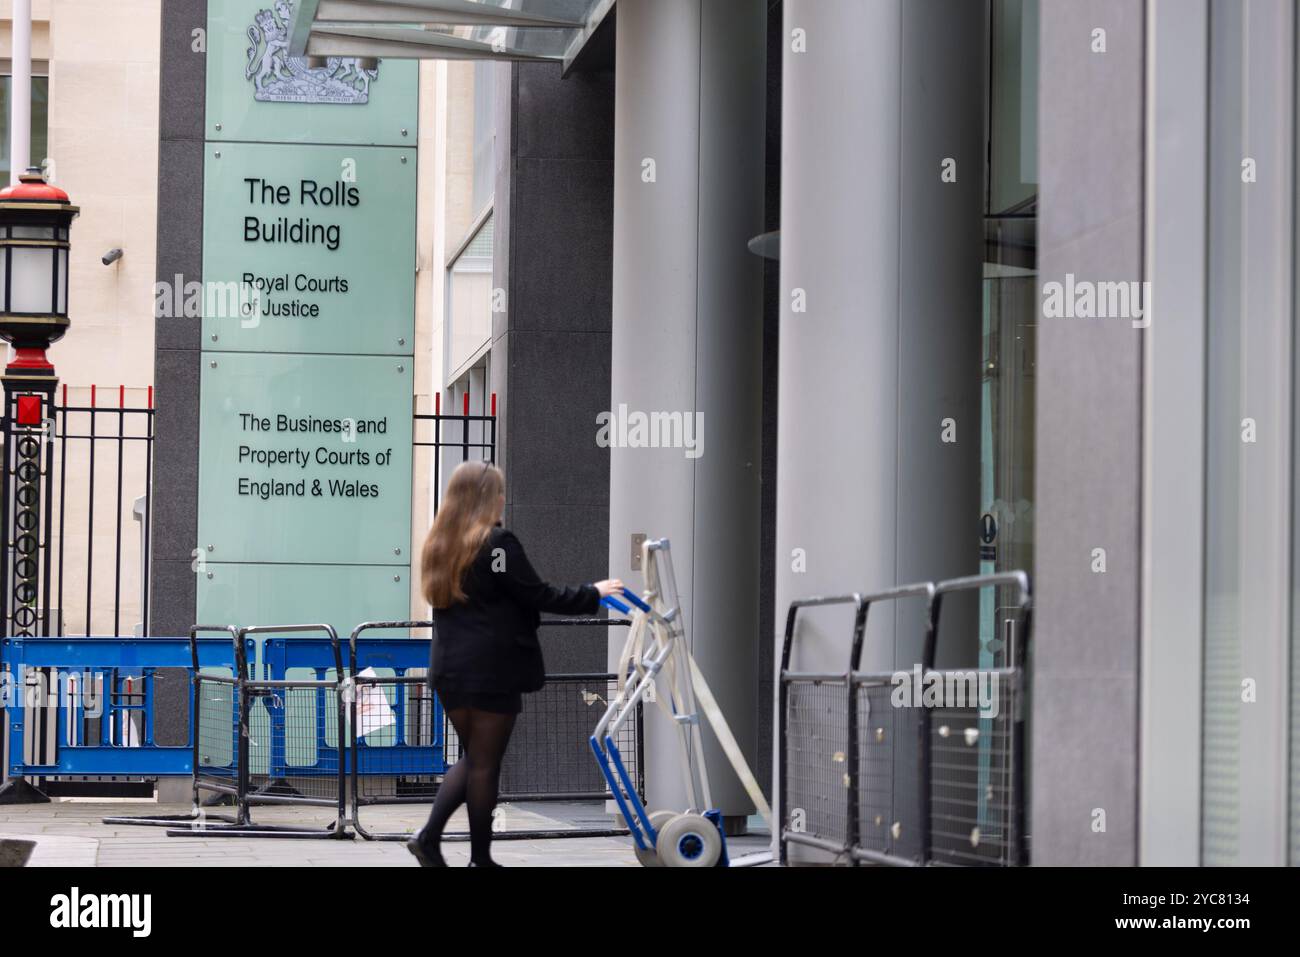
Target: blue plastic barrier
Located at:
point(114, 679)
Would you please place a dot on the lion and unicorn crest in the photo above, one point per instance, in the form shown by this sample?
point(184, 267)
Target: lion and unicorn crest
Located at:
point(279, 78)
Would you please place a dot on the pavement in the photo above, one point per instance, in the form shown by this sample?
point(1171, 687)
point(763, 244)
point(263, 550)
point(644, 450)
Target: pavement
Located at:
point(71, 832)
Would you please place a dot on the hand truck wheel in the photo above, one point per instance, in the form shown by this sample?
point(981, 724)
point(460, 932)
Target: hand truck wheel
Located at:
point(649, 857)
point(689, 840)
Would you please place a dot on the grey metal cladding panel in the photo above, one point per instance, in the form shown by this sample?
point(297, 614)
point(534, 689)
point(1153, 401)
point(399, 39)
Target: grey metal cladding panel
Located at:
point(1091, 122)
point(1088, 435)
point(1078, 785)
point(1089, 376)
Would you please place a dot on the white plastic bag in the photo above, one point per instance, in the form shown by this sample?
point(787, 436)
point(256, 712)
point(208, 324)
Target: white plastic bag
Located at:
point(373, 710)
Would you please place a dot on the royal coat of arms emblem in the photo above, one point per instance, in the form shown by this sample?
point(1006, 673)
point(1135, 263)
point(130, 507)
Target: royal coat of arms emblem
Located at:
point(278, 78)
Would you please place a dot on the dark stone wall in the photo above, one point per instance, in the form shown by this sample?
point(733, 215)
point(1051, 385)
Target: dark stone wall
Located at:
point(174, 533)
point(554, 215)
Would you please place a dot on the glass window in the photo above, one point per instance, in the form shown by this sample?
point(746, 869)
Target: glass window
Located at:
point(1013, 104)
point(469, 299)
point(1010, 313)
point(40, 122)
point(1009, 353)
point(484, 134)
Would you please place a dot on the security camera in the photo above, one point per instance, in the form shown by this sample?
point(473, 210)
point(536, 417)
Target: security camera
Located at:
point(112, 256)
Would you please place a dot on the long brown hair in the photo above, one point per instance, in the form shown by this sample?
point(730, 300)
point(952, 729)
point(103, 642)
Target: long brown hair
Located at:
point(465, 519)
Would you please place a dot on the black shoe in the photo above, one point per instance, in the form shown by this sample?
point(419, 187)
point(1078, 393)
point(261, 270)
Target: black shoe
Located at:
point(488, 864)
point(425, 855)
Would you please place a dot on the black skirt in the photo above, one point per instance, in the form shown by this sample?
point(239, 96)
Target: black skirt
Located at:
point(499, 702)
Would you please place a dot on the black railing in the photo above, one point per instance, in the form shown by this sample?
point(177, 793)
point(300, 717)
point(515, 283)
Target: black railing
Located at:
point(89, 459)
point(468, 433)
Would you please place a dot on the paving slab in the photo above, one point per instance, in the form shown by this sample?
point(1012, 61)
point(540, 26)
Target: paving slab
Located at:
point(72, 833)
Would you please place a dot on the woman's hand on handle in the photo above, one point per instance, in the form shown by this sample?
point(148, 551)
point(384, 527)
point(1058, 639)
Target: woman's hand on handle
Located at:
point(611, 586)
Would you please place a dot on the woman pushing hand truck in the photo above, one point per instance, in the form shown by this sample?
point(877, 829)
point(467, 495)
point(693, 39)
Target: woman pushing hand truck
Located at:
point(487, 601)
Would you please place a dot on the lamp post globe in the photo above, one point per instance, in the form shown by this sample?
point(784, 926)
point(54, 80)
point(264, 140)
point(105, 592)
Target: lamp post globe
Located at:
point(35, 219)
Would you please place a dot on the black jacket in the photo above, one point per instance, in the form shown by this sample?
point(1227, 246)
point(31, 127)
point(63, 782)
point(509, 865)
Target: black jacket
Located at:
point(489, 642)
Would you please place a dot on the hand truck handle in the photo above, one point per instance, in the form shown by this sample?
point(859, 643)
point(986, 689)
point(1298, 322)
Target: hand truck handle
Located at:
point(635, 599)
point(610, 601)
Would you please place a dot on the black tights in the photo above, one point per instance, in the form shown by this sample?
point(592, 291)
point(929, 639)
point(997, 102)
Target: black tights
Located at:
point(472, 780)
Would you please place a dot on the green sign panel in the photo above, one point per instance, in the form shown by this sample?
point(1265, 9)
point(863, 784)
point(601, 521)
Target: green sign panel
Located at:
point(305, 459)
point(310, 249)
point(338, 595)
point(257, 92)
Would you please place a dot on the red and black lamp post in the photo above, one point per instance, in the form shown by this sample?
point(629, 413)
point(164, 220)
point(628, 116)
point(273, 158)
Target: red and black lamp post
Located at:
point(35, 220)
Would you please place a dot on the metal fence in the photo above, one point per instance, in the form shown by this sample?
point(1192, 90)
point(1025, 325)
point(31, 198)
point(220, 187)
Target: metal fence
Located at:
point(454, 437)
point(871, 777)
point(74, 483)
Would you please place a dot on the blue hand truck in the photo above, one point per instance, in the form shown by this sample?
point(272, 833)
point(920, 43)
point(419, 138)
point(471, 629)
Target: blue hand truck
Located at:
point(656, 646)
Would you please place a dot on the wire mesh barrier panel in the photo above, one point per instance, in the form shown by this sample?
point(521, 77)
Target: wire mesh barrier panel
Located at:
point(397, 740)
point(815, 781)
point(294, 755)
point(887, 773)
point(216, 722)
point(549, 756)
point(974, 797)
point(396, 730)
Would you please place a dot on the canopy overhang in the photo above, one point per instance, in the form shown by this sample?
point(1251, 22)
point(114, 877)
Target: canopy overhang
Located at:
point(520, 30)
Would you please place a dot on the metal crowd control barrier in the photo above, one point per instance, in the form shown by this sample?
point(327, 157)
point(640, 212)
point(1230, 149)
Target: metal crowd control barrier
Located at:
point(876, 782)
point(298, 745)
point(402, 742)
point(396, 731)
point(818, 729)
point(94, 702)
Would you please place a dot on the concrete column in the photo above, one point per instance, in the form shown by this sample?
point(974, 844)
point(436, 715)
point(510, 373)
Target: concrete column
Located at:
point(880, 315)
point(687, 324)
